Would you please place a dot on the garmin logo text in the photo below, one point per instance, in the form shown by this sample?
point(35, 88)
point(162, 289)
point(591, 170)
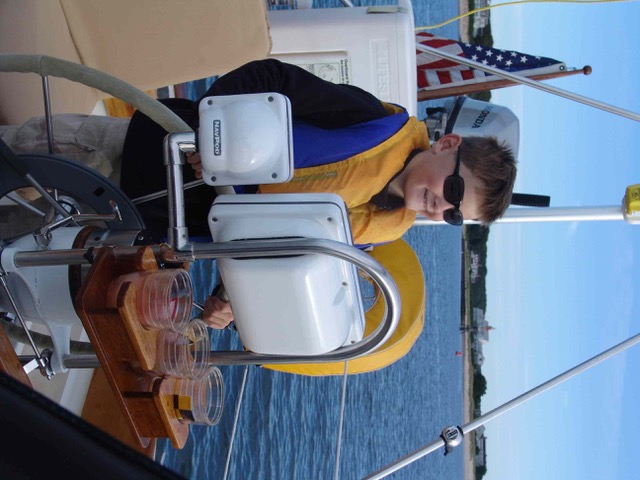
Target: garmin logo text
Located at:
point(217, 138)
point(481, 118)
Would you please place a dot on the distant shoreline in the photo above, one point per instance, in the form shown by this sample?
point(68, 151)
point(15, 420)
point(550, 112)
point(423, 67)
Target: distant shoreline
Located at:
point(468, 443)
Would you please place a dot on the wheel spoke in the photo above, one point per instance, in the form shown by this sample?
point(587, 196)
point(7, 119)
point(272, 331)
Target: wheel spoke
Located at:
point(76, 188)
point(14, 197)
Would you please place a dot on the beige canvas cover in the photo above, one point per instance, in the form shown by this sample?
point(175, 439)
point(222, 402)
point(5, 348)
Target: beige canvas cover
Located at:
point(147, 43)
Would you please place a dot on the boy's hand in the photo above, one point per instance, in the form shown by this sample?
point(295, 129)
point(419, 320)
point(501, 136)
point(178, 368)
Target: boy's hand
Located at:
point(217, 313)
point(196, 163)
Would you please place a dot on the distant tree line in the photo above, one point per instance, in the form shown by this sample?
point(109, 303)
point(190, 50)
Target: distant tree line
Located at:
point(479, 387)
point(476, 237)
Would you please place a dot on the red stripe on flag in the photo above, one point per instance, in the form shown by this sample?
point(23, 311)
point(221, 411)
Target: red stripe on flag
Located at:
point(467, 74)
point(444, 76)
point(438, 42)
point(422, 80)
point(436, 64)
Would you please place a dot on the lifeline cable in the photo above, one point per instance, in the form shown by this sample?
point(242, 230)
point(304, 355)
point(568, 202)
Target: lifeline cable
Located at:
point(235, 422)
point(336, 472)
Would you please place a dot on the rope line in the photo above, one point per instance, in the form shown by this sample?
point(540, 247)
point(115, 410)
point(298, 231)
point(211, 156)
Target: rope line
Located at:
point(518, 2)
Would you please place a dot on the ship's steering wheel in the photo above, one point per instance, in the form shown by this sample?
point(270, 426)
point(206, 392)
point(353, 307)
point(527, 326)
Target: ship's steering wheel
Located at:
point(77, 188)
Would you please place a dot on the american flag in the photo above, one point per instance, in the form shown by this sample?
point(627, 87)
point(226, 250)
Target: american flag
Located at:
point(435, 72)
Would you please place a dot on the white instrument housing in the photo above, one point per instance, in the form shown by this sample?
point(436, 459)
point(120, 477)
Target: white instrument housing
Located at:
point(245, 139)
point(297, 305)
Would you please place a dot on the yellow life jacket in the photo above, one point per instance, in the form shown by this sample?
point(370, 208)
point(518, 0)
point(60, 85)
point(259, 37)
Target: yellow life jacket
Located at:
point(362, 176)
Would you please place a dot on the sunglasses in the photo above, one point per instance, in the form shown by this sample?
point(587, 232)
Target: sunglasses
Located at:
point(453, 192)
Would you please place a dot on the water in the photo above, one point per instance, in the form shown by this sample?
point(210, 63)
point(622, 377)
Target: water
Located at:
point(288, 424)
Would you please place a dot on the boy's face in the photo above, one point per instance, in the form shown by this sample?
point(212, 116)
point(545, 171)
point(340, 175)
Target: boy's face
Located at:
point(424, 181)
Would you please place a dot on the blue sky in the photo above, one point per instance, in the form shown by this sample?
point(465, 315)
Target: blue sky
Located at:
point(560, 293)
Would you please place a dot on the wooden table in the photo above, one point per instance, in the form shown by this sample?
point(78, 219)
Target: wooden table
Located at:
point(126, 350)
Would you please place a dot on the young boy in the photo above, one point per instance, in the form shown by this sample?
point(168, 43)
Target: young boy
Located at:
point(372, 154)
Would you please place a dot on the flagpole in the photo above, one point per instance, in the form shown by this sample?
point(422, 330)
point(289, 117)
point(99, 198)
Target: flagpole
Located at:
point(432, 94)
point(532, 83)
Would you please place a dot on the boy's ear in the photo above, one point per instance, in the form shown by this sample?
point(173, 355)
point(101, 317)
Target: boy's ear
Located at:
point(448, 141)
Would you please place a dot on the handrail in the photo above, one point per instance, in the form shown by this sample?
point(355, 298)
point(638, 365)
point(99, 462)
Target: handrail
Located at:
point(261, 248)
